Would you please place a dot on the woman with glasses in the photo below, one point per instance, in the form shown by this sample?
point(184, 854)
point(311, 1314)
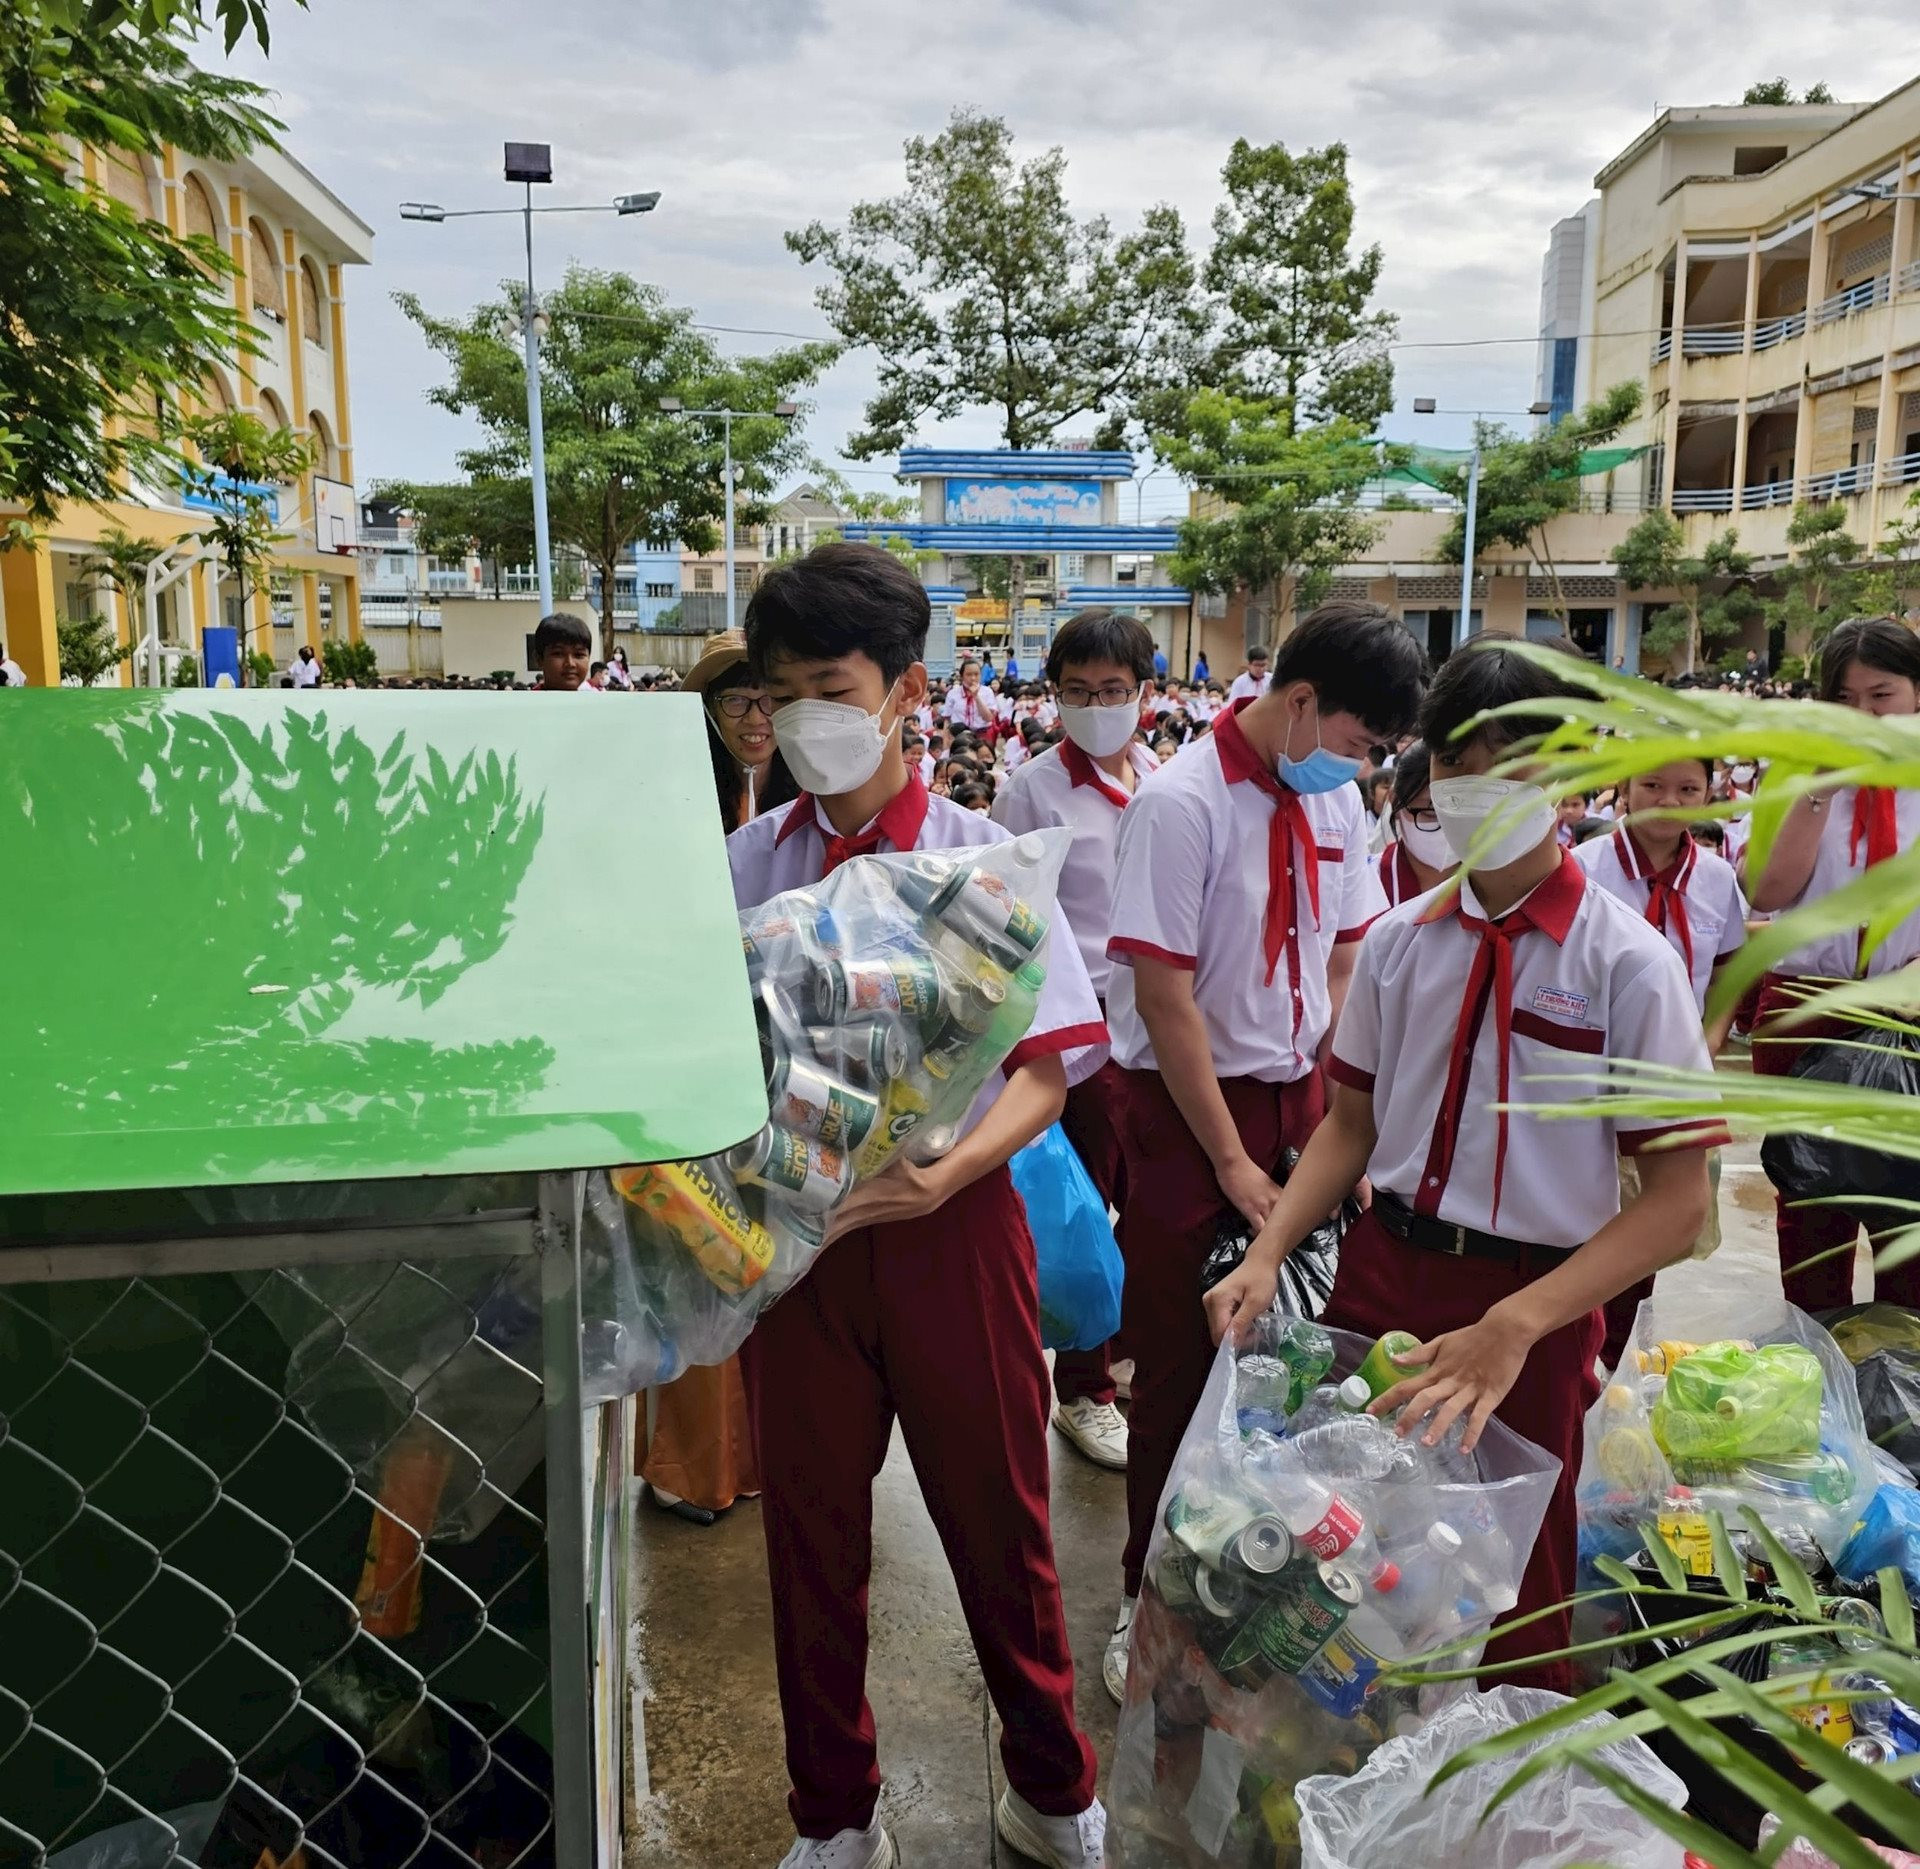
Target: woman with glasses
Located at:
point(748, 773)
point(1419, 858)
point(699, 1457)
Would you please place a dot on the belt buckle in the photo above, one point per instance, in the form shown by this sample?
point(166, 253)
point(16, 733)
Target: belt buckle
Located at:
point(1458, 1250)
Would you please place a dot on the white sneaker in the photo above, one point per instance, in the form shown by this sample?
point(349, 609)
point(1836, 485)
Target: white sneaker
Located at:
point(871, 1848)
point(1113, 1665)
point(1098, 1429)
point(1123, 1379)
point(1057, 1842)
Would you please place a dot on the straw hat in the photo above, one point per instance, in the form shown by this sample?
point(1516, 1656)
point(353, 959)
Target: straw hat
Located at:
point(719, 653)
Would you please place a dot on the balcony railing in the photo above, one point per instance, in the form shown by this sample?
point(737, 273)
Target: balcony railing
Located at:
point(1867, 293)
point(1703, 499)
point(1713, 340)
point(1663, 347)
point(1840, 483)
point(1766, 493)
point(1900, 470)
point(1771, 331)
point(1909, 280)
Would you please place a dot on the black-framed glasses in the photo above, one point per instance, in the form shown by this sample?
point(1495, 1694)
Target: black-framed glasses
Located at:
point(1110, 694)
point(1426, 820)
point(737, 705)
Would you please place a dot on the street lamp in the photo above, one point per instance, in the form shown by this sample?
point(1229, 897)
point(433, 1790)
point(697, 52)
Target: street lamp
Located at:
point(1429, 405)
point(786, 411)
point(528, 163)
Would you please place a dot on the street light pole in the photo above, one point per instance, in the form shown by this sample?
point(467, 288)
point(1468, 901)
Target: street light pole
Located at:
point(726, 433)
point(536, 427)
point(786, 411)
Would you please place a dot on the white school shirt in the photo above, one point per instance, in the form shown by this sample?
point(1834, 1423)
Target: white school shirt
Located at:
point(1013, 753)
point(1062, 786)
point(305, 674)
point(926, 768)
point(1835, 864)
point(1592, 980)
point(976, 711)
point(1711, 921)
point(786, 849)
point(1245, 688)
point(1190, 889)
point(1046, 712)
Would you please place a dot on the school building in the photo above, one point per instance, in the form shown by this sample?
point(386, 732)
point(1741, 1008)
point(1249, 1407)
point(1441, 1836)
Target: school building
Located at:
point(291, 240)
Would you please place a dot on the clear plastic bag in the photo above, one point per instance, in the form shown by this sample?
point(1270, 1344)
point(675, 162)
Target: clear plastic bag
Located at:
point(887, 996)
point(1773, 1423)
point(1076, 1255)
point(1301, 1548)
point(1800, 1854)
point(1882, 1341)
point(1385, 1814)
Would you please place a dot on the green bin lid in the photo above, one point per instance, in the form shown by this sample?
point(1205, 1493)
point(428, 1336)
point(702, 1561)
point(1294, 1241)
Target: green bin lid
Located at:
point(253, 938)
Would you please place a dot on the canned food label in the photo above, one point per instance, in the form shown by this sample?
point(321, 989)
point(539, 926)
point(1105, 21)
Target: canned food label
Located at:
point(1333, 1531)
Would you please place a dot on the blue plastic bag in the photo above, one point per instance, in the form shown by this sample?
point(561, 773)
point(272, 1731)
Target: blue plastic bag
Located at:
point(1073, 1240)
point(1888, 1534)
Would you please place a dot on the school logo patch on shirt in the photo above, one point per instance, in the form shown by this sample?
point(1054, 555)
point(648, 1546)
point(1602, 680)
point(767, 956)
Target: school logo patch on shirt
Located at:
point(1558, 1001)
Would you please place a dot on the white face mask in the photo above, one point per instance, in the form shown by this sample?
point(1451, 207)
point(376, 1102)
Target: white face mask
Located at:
point(1522, 817)
point(1100, 731)
point(832, 746)
point(1428, 847)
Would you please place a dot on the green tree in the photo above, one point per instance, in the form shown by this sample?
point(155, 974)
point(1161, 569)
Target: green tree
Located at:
point(1291, 300)
point(347, 663)
point(1779, 91)
point(489, 516)
point(239, 457)
point(1895, 586)
point(119, 562)
point(106, 314)
point(620, 470)
point(1289, 513)
point(1823, 581)
point(875, 507)
point(1528, 481)
point(1714, 590)
point(88, 649)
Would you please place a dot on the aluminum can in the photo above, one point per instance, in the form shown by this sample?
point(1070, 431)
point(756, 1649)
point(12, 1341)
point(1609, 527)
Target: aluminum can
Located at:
point(979, 907)
point(910, 988)
point(1225, 1533)
point(1291, 1624)
point(805, 1173)
point(1868, 1750)
point(867, 1052)
point(808, 1101)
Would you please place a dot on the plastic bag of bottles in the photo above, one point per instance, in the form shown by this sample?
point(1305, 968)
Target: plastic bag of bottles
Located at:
point(1882, 1342)
point(1384, 1814)
point(1303, 1548)
point(1772, 1422)
point(887, 996)
point(1800, 1854)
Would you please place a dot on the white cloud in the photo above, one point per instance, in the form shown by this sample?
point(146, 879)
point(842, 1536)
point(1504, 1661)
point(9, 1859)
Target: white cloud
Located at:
point(1473, 125)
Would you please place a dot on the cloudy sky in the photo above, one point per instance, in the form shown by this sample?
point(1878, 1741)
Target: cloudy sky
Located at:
point(1473, 126)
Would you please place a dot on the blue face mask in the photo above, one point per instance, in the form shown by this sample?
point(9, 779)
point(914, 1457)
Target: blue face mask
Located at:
point(1320, 771)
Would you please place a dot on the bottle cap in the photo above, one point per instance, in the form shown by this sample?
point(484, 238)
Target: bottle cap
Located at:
point(1444, 1540)
point(1387, 1577)
point(1354, 1393)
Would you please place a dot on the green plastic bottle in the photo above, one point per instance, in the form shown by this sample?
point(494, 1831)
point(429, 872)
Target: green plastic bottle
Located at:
point(1380, 1372)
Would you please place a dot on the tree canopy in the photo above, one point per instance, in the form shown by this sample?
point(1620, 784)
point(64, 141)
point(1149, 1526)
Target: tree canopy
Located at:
point(491, 516)
point(620, 469)
point(1714, 596)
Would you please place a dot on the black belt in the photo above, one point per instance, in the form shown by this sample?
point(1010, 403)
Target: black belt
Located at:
point(1457, 1242)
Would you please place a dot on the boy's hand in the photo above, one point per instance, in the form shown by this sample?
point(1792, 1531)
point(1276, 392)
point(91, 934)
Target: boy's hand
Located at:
point(1242, 1296)
point(1250, 1189)
point(902, 1191)
point(1468, 1372)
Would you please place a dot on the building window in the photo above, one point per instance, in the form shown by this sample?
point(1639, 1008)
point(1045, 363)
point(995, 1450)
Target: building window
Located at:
point(311, 327)
point(703, 579)
point(659, 590)
point(263, 273)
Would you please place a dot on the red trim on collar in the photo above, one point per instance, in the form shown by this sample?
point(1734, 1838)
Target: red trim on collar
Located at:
point(1238, 760)
point(1639, 866)
point(900, 821)
point(1551, 906)
point(1082, 771)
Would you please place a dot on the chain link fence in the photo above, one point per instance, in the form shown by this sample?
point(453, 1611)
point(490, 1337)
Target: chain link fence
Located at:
point(274, 1553)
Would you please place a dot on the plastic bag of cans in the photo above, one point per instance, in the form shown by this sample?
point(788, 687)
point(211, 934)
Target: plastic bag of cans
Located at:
point(886, 996)
point(1304, 1551)
point(1770, 1421)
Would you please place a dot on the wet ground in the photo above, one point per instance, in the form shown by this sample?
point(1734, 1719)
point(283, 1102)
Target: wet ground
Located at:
point(716, 1790)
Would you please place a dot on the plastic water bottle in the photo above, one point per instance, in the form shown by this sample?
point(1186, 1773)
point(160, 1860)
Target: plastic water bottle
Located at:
point(1325, 1404)
point(1355, 1447)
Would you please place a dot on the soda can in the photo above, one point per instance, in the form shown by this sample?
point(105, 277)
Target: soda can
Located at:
point(805, 1173)
point(903, 1108)
point(1291, 1625)
point(867, 1052)
point(922, 880)
point(809, 1102)
point(1857, 1623)
point(948, 1050)
point(979, 907)
point(1867, 1749)
point(1225, 1533)
point(807, 923)
point(844, 990)
point(975, 1005)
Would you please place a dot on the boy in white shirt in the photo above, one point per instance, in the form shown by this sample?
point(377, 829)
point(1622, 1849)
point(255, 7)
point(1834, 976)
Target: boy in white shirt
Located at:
point(1252, 680)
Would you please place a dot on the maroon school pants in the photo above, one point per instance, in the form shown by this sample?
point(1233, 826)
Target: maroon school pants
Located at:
point(1092, 1124)
point(1167, 1227)
point(935, 1322)
point(1806, 1233)
point(1384, 1284)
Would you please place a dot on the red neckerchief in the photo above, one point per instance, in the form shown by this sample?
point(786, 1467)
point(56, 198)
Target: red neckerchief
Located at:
point(1666, 889)
point(1549, 910)
point(1082, 771)
point(1876, 823)
point(1287, 833)
point(1396, 875)
point(899, 824)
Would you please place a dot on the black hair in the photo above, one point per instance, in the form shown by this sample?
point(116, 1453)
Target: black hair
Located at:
point(1259, 653)
point(974, 792)
point(967, 662)
point(1102, 635)
point(1589, 828)
point(551, 631)
point(777, 784)
point(840, 599)
point(1362, 661)
point(1485, 674)
point(1879, 642)
point(598, 668)
point(1710, 831)
point(1412, 774)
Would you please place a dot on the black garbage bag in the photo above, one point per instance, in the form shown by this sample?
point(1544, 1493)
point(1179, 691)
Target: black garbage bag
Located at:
point(1809, 1167)
point(1306, 1273)
point(1890, 1400)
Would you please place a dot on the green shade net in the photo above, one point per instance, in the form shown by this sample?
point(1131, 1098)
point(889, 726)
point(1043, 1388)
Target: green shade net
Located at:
point(1429, 466)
